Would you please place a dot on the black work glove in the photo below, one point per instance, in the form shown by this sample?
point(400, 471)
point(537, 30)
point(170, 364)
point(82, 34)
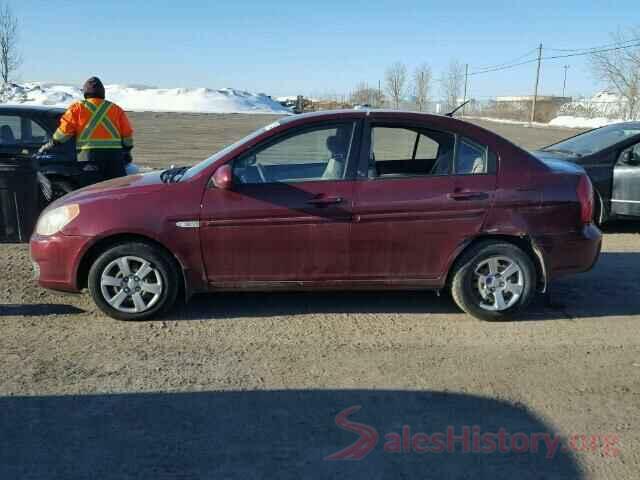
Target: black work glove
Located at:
point(126, 157)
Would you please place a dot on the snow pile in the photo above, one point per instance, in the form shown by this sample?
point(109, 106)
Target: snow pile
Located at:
point(601, 109)
point(581, 122)
point(147, 99)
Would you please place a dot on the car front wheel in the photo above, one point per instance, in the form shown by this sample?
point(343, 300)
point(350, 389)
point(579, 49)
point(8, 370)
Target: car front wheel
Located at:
point(493, 281)
point(133, 281)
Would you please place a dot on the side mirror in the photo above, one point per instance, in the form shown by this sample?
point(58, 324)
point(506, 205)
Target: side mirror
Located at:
point(223, 177)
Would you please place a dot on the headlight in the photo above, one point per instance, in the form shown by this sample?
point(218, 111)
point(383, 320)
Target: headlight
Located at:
point(55, 220)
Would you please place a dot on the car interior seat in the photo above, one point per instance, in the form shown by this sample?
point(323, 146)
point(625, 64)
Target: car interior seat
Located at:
point(6, 135)
point(335, 167)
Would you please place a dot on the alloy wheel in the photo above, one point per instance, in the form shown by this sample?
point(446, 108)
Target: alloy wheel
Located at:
point(131, 284)
point(500, 283)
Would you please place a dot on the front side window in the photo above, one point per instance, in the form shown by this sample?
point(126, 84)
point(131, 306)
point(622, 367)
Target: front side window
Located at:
point(471, 158)
point(319, 153)
point(407, 152)
point(33, 133)
point(631, 156)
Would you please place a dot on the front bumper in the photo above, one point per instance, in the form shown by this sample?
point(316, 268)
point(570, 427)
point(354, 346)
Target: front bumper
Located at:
point(571, 252)
point(56, 260)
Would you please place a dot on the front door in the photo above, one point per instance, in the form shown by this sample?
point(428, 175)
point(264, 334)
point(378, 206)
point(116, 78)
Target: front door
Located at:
point(625, 197)
point(419, 202)
point(287, 216)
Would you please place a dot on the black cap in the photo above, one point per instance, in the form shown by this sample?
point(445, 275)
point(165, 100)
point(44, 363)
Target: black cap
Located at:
point(93, 88)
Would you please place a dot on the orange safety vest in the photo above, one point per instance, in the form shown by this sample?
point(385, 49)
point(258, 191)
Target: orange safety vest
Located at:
point(95, 124)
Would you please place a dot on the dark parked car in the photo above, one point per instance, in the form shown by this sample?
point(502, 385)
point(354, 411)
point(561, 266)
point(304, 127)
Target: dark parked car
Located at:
point(611, 157)
point(332, 200)
point(24, 129)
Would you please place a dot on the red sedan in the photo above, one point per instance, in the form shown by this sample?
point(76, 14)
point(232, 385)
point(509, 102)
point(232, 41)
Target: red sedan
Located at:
point(332, 200)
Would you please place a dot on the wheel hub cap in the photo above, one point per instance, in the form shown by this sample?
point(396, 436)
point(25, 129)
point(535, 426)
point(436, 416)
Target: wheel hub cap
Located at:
point(131, 284)
point(500, 282)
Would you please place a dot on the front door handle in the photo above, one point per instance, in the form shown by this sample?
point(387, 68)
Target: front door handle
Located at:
point(324, 201)
point(468, 196)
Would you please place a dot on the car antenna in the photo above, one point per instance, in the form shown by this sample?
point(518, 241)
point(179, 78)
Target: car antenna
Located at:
point(450, 114)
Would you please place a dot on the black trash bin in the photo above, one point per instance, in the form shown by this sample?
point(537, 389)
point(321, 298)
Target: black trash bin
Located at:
point(19, 199)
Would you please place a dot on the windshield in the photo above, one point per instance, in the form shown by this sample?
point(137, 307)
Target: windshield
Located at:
point(595, 140)
point(203, 165)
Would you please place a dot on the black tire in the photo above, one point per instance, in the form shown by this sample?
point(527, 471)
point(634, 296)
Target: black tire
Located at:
point(466, 291)
point(61, 188)
point(165, 273)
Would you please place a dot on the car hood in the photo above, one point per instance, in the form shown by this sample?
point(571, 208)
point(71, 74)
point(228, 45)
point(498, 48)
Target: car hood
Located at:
point(116, 187)
point(558, 162)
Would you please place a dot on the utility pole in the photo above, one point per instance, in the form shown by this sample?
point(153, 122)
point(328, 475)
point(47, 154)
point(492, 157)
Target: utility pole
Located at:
point(564, 85)
point(535, 92)
point(466, 83)
point(379, 102)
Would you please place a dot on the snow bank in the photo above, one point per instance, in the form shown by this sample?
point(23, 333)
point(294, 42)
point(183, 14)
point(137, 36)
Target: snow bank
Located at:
point(139, 98)
point(581, 122)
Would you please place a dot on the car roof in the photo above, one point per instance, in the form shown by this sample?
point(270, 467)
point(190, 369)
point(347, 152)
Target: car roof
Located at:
point(378, 114)
point(627, 124)
point(42, 109)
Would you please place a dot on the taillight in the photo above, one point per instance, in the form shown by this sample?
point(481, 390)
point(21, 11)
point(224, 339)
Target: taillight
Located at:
point(585, 197)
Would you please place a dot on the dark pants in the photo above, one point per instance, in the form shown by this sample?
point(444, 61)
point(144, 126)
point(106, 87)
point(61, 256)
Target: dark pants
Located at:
point(109, 161)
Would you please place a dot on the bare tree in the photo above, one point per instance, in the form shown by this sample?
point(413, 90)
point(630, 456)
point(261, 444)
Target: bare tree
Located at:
point(421, 86)
point(395, 79)
point(365, 95)
point(452, 84)
point(620, 69)
point(10, 58)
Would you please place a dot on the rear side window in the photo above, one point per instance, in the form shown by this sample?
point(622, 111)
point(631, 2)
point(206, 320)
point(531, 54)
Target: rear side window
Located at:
point(10, 130)
point(408, 152)
point(473, 158)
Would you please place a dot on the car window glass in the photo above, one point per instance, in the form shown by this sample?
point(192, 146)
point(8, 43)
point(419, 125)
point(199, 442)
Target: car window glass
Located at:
point(595, 140)
point(631, 156)
point(317, 154)
point(10, 130)
point(402, 152)
point(471, 158)
point(34, 133)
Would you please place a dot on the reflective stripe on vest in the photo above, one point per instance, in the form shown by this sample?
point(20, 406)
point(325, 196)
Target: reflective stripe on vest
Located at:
point(98, 117)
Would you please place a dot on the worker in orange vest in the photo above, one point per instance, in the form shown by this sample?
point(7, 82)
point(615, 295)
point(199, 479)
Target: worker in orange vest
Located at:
point(101, 129)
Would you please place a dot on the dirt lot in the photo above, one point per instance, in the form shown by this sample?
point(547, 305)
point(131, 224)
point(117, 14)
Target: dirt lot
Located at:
point(248, 385)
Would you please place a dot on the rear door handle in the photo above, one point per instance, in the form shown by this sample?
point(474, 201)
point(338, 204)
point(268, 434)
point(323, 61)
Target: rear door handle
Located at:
point(468, 196)
point(324, 201)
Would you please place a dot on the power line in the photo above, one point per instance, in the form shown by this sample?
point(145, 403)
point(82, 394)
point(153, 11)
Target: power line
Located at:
point(614, 44)
point(509, 62)
point(554, 57)
point(506, 67)
point(590, 52)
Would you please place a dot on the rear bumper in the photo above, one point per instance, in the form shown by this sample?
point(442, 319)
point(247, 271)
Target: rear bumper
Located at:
point(571, 252)
point(56, 258)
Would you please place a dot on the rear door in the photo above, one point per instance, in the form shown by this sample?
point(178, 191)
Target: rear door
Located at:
point(625, 198)
point(409, 218)
point(287, 217)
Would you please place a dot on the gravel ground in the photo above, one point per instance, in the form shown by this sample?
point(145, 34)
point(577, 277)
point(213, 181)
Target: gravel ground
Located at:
point(248, 385)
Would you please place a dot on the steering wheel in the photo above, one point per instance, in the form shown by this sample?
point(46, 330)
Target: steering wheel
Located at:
point(261, 172)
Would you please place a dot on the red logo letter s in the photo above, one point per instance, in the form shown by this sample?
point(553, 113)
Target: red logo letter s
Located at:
point(361, 447)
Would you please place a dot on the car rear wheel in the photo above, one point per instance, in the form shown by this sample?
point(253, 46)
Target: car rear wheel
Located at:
point(493, 281)
point(134, 281)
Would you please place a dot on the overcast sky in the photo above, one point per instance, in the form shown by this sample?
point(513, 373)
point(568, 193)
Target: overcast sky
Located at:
point(309, 47)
